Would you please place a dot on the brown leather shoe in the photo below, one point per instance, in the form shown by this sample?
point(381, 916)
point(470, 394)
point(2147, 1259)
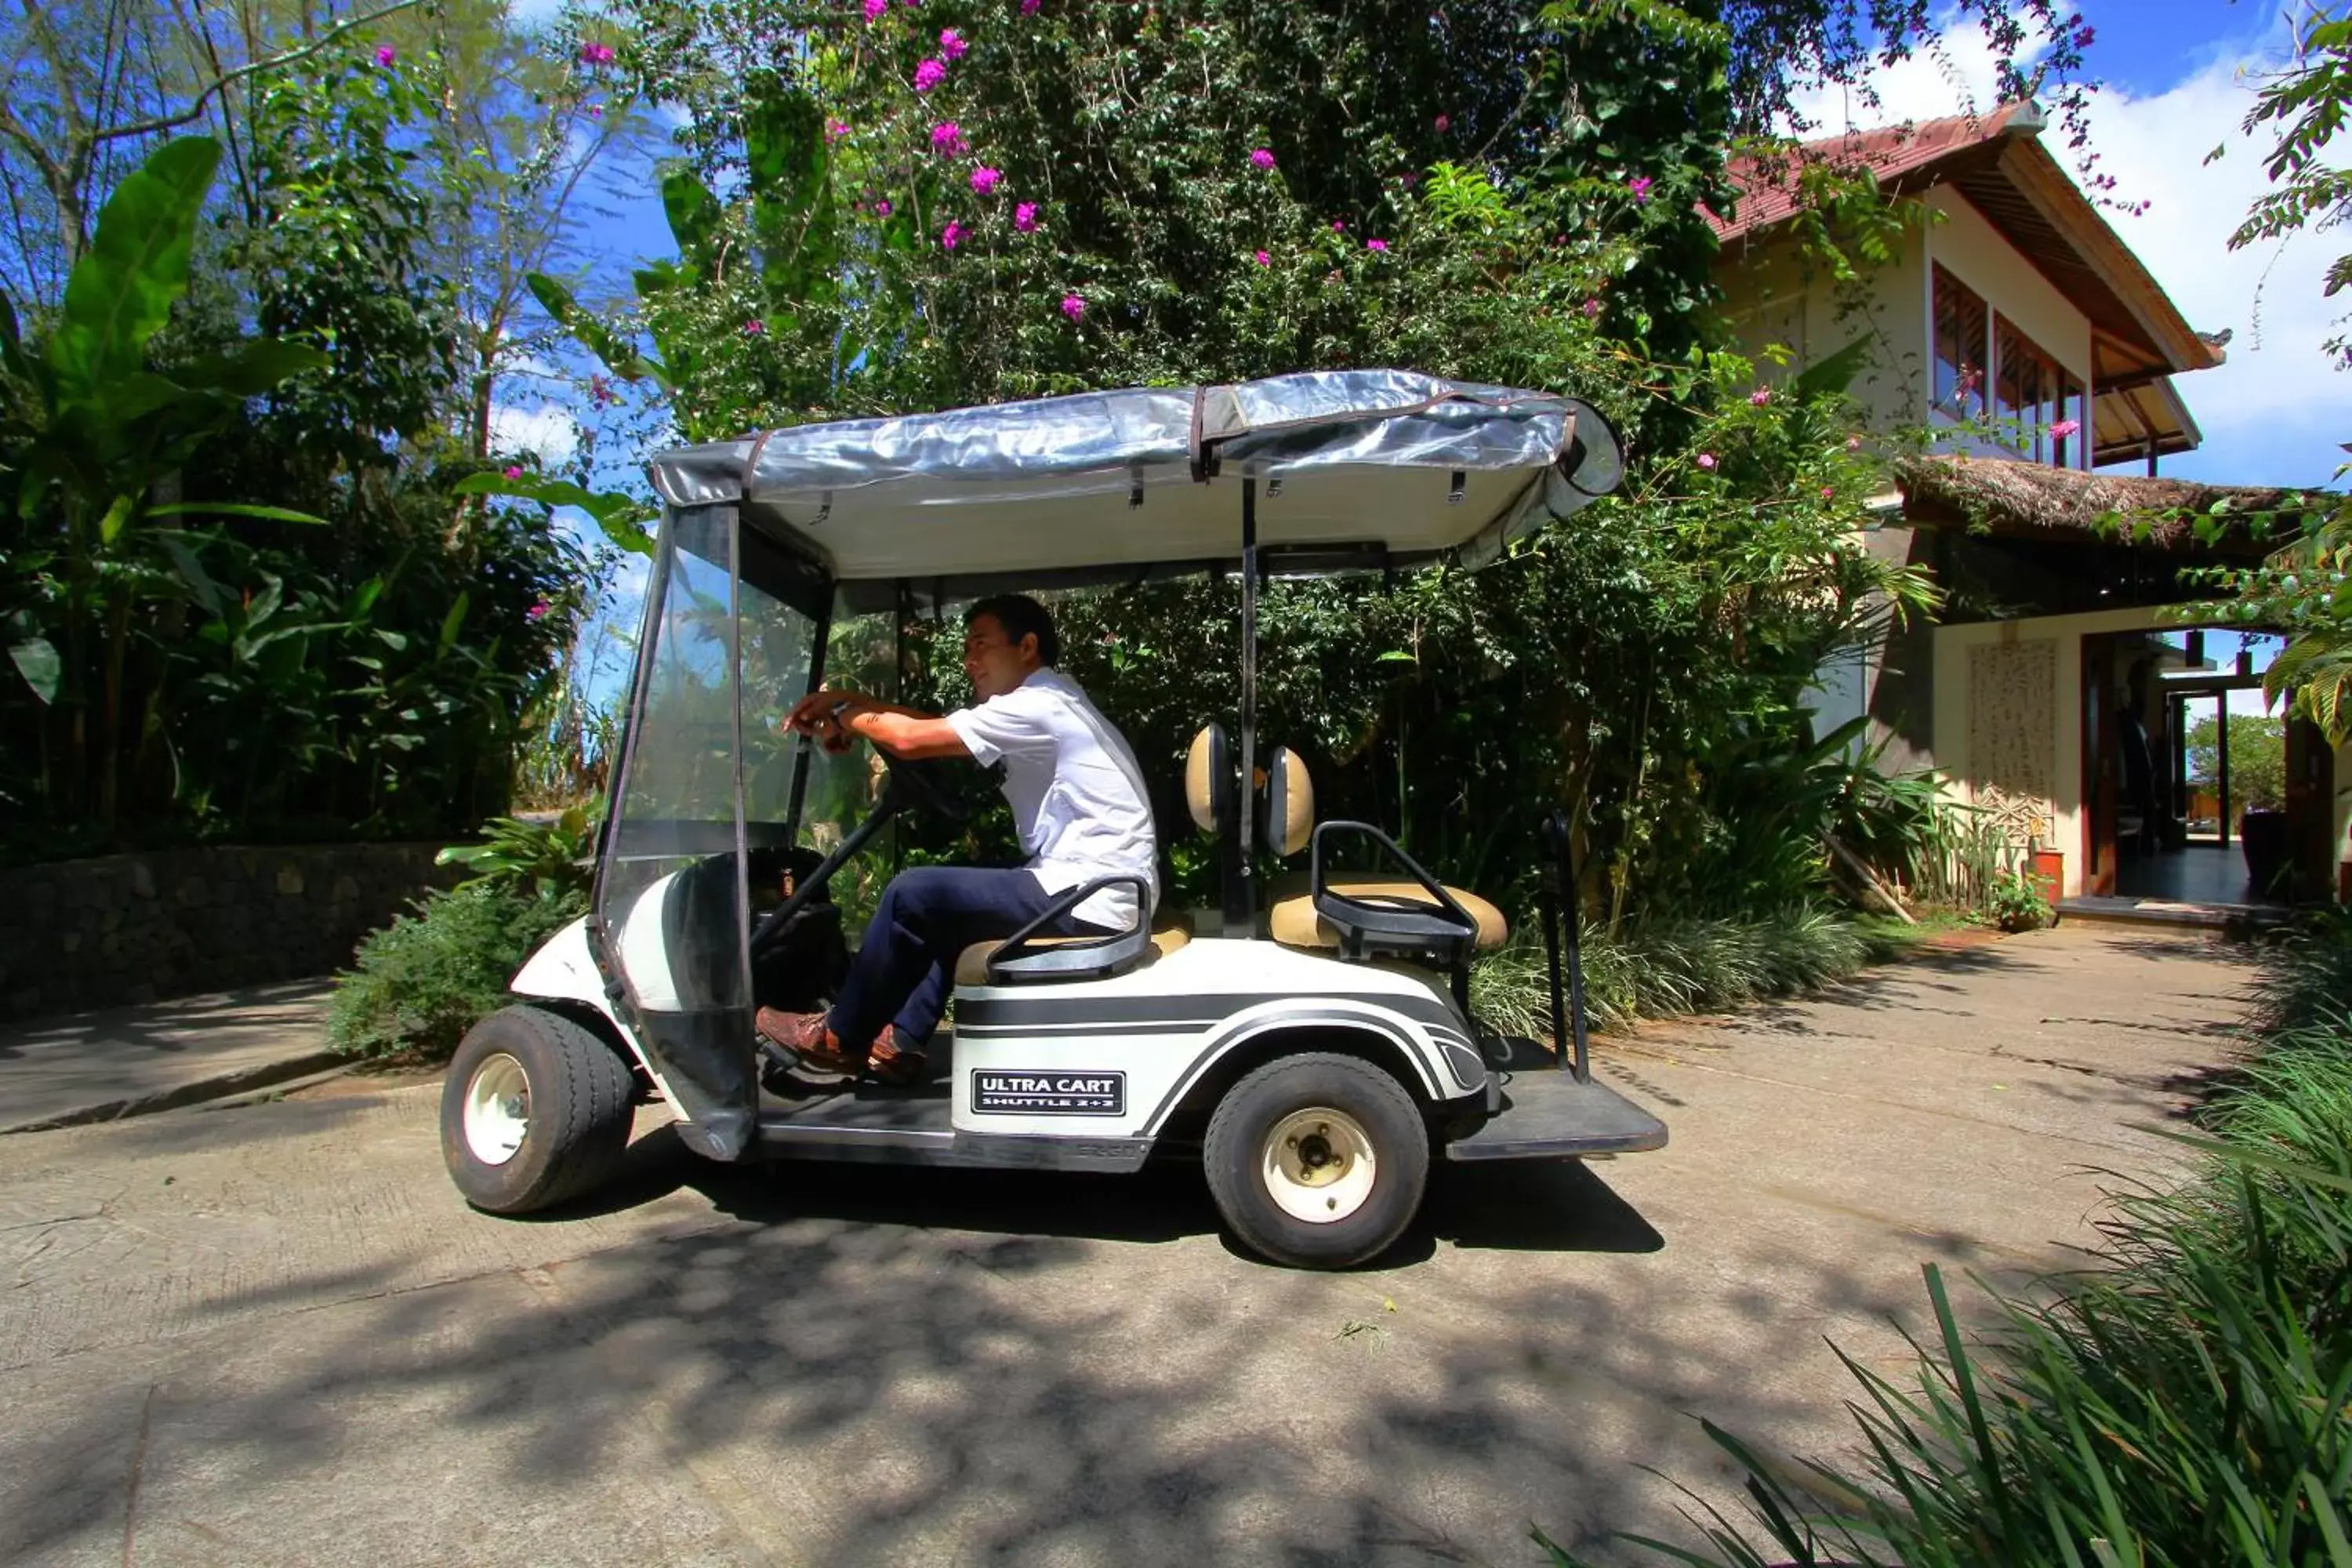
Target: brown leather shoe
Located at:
point(892, 1060)
point(806, 1036)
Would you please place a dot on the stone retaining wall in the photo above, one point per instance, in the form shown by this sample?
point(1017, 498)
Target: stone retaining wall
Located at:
point(124, 928)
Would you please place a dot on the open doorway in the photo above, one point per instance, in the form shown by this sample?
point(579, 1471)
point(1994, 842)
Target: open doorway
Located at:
point(2192, 773)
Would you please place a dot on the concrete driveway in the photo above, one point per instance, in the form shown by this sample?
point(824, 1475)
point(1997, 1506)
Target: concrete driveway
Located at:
point(272, 1335)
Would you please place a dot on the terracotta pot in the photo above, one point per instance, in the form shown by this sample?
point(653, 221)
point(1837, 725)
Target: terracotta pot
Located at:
point(2048, 874)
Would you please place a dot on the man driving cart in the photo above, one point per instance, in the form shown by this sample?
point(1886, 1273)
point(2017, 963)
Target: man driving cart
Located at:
point(1080, 808)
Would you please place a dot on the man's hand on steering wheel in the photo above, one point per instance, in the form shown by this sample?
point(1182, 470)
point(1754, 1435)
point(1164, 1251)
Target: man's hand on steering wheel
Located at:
point(836, 718)
point(825, 715)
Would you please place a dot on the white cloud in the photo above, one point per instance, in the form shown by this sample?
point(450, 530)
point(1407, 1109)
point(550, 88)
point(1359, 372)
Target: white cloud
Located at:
point(1959, 77)
point(2274, 413)
point(548, 430)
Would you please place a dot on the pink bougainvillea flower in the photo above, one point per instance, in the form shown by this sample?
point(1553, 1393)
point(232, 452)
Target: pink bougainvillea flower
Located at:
point(754, 327)
point(1640, 186)
point(1263, 259)
point(882, 207)
point(984, 179)
point(947, 139)
point(596, 54)
point(538, 611)
point(1262, 157)
point(386, 54)
point(1381, 246)
point(1706, 459)
point(2083, 39)
point(1444, 124)
point(596, 111)
point(951, 44)
point(1024, 216)
point(1829, 492)
point(1853, 443)
point(952, 236)
point(834, 130)
point(1338, 226)
point(1760, 396)
point(1592, 307)
point(929, 75)
point(2065, 427)
point(1073, 305)
point(514, 471)
point(877, 9)
point(1029, 7)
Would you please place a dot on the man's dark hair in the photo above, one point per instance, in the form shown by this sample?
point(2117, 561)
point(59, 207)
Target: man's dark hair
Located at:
point(1021, 616)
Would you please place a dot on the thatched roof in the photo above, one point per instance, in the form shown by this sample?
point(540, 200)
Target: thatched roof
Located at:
point(2011, 496)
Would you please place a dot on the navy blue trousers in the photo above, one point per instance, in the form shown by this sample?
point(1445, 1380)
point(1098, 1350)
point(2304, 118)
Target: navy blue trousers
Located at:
point(906, 967)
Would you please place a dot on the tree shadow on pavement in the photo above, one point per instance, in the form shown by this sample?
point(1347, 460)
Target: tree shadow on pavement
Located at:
point(1533, 1207)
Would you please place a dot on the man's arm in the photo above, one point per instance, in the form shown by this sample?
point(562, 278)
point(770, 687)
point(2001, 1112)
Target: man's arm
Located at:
point(902, 731)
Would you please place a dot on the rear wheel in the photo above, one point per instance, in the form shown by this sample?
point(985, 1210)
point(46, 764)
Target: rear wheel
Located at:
point(1317, 1160)
point(536, 1109)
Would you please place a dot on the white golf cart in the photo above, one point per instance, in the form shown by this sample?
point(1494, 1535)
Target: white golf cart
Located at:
point(1310, 1040)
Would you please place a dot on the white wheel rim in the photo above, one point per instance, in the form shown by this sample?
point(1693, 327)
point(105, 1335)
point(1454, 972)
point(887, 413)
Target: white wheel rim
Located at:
point(1318, 1165)
point(498, 1109)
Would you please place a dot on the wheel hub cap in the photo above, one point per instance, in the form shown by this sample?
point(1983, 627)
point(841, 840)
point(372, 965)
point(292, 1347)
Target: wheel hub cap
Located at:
point(1318, 1165)
point(498, 1109)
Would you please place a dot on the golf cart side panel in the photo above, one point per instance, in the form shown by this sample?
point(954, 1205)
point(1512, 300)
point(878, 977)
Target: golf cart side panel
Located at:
point(1118, 1056)
point(669, 931)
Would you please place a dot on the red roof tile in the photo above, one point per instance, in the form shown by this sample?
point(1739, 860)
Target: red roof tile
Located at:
point(1768, 189)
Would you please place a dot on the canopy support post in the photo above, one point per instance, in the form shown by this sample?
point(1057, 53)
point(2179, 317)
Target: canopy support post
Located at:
point(1241, 885)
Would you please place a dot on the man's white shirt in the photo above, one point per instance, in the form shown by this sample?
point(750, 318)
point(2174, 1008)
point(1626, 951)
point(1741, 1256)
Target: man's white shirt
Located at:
point(1077, 798)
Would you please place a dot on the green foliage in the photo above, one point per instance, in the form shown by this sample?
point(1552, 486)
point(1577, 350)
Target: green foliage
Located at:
point(419, 984)
point(339, 260)
point(1670, 967)
point(2015, 903)
point(197, 664)
point(815, 275)
point(547, 858)
point(2257, 758)
point(2184, 1405)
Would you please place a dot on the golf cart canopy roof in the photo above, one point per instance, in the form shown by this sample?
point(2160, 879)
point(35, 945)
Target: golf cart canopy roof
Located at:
point(1356, 468)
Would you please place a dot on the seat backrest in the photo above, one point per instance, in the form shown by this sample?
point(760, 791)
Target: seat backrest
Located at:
point(1207, 776)
point(1289, 803)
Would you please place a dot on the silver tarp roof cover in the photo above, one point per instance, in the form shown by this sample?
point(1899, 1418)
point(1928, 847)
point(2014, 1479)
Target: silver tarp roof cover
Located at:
point(1420, 466)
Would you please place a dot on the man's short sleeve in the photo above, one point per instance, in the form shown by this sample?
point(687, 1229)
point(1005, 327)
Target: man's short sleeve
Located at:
point(1005, 726)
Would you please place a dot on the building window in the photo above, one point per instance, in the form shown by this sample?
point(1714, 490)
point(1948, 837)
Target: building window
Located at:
point(2036, 402)
point(1960, 349)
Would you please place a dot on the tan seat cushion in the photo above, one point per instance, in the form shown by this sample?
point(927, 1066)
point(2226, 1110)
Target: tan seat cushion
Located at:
point(971, 965)
point(1291, 919)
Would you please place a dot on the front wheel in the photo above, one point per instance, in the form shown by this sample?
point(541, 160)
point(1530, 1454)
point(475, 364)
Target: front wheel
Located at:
point(536, 1109)
point(1317, 1160)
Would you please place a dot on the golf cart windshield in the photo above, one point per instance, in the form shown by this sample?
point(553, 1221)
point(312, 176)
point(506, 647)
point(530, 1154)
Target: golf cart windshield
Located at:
point(706, 794)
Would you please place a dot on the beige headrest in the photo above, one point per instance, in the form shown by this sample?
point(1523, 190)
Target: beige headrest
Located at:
point(1289, 803)
point(1207, 774)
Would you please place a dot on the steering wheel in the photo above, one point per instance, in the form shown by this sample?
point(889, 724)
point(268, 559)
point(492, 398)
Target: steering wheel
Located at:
point(924, 786)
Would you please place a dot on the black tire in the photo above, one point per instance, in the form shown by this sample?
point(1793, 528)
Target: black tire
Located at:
point(1369, 1102)
point(579, 1093)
